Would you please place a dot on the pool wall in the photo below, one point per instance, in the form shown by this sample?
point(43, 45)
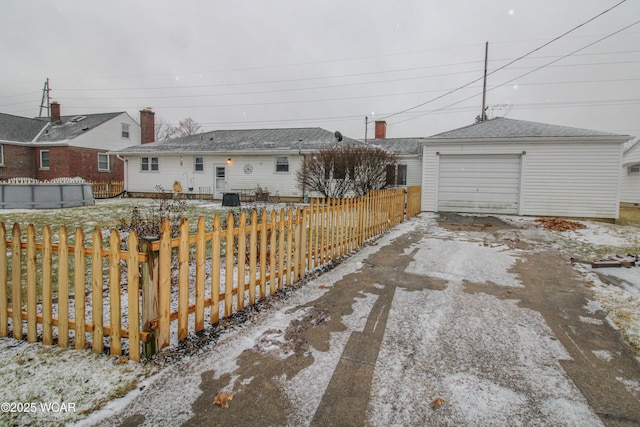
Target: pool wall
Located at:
point(45, 195)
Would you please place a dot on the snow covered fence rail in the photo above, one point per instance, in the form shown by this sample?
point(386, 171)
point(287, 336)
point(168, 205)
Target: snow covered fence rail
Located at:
point(141, 299)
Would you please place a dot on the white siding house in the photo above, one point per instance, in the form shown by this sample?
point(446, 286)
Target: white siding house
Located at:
point(630, 175)
point(226, 161)
point(409, 171)
point(525, 168)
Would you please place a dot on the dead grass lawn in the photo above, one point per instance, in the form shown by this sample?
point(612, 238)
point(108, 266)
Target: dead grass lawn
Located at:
point(629, 215)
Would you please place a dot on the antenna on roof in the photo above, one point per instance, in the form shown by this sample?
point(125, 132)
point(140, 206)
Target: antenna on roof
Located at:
point(338, 136)
point(45, 96)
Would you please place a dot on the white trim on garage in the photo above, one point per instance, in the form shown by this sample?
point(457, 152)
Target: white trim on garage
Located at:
point(479, 183)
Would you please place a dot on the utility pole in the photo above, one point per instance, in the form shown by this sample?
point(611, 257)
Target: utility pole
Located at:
point(483, 113)
point(366, 127)
point(45, 98)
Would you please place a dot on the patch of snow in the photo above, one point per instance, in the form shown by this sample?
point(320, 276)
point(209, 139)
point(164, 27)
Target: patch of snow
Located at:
point(633, 386)
point(603, 355)
point(602, 234)
point(593, 306)
point(456, 261)
point(491, 360)
point(34, 373)
point(590, 320)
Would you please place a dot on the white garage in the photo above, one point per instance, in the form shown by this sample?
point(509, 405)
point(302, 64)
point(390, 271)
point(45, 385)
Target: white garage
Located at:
point(479, 183)
point(508, 166)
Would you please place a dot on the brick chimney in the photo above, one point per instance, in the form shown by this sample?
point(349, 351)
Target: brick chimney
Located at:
point(147, 126)
point(381, 129)
point(55, 112)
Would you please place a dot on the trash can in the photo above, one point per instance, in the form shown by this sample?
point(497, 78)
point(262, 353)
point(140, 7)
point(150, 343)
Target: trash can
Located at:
point(230, 199)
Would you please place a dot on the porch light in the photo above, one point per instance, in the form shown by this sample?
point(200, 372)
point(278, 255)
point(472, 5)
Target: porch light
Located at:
point(229, 161)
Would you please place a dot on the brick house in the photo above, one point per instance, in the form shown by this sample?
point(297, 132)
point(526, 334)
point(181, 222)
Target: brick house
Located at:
point(69, 146)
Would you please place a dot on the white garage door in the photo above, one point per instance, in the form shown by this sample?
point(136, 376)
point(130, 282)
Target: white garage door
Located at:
point(479, 183)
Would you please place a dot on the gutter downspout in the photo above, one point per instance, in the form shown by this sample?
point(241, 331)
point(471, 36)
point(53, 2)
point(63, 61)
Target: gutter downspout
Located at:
point(126, 172)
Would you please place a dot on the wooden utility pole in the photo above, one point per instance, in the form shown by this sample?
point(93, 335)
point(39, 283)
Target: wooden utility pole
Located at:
point(483, 113)
point(366, 128)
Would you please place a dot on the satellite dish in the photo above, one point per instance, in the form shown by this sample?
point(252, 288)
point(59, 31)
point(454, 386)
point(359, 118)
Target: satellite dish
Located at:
point(338, 136)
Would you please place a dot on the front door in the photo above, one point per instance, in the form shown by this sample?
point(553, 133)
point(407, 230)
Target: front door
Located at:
point(220, 181)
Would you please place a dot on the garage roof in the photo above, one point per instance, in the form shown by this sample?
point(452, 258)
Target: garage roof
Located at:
point(501, 127)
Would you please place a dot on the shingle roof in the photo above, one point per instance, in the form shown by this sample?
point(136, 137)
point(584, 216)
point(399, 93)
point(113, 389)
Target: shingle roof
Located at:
point(19, 129)
point(501, 127)
point(23, 129)
point(67, 128)
point(400, 146)
point(248, 140)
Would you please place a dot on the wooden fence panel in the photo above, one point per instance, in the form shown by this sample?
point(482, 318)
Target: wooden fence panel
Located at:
point(63, 288)
point(115, 318)
point(103, 190)
point(183, 281)
point(216, 243)
point(164, 292)
point(97, 313)
point(201, 254)
point(47, 286)
point(4, 286)
point(274, 250)
point(79, 267)
point(133, 297)
point(228, 256)
point(16, 282)
point(253, 253)
point(263, 255)
point(273, 245)
point(32, 325)
point(242, 258)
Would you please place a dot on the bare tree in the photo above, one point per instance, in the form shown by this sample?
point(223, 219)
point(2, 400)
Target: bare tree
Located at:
point(371, 166)
point(185, 127)
point(163, 129)
point(333, 172)
point(322, 172)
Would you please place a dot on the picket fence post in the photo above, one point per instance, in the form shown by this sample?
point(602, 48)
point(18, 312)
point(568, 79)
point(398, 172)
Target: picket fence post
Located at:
point(150, 286)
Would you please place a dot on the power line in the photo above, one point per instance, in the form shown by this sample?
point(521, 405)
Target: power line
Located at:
point(508, 64)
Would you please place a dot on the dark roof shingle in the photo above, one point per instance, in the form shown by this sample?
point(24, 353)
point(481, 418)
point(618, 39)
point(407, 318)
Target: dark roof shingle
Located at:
point(19, 129)
point(501, 127)
point(247, 140)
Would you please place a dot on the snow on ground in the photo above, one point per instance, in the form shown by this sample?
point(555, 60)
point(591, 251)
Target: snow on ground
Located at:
point(494, 363)
point(617, 289)
point(75, 382)
point(516, 370)
point(177, 385)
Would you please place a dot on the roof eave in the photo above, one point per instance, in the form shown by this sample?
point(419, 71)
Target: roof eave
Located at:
point(531, 139)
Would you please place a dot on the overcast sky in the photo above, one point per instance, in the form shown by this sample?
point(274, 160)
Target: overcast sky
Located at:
point(326, 63)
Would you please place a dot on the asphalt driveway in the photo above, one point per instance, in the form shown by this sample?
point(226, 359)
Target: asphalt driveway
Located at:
point(444, 321)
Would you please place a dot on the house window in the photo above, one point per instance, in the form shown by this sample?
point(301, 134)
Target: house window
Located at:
point(391, 175)
point(125, 131)
point(339, 170)
point(149, 164)
point(396, 175)
point(103, 162)
point(401, 177)
point(198, 164)
point(44, 159)
point(1, 155)
point(633, 170)
point(282, 164)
